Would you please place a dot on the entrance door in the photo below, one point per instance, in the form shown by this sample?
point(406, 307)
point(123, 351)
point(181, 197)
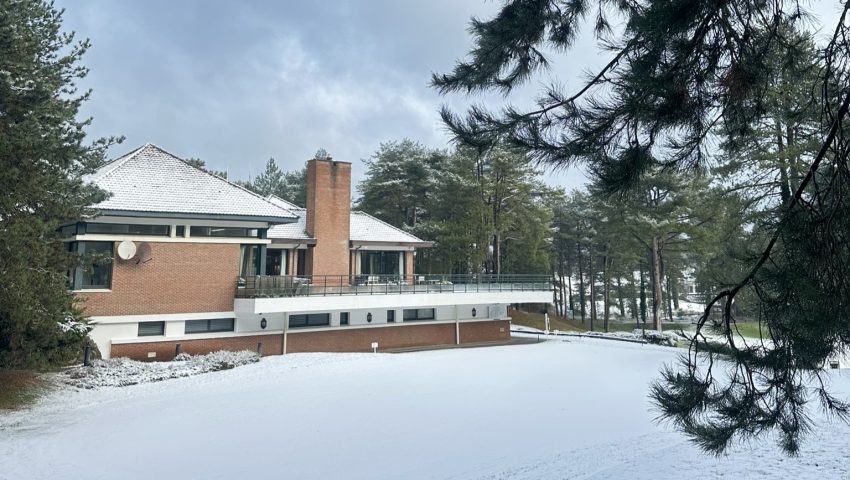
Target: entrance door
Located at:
point(275, 261)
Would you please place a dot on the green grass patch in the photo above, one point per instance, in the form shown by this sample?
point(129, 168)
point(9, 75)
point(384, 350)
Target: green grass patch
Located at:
point(536, 320)
point(19, 388)
point(750, 330)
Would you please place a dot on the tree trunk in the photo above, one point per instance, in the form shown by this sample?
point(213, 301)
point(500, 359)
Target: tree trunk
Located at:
point(606, 291)
point(656, 286)
point(591, 278)
point(642, 294)
point(621, 303)
point(570, 292)
point(581, 283)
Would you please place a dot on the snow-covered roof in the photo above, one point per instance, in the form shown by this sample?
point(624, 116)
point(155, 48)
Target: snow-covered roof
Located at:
point(151, 181)
point(363, 227)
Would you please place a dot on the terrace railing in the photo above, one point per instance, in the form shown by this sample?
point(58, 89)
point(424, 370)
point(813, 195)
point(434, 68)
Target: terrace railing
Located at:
point(326, 285)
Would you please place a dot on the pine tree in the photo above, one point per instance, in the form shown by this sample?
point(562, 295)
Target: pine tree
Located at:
point(43, 157)
point(680, 73)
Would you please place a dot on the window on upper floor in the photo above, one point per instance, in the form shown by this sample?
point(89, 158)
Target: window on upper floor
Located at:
point(128, 229)
point(97, 273)
point(223, 232)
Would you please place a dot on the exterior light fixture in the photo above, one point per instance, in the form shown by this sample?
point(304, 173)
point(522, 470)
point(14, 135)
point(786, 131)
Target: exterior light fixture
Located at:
point(369, 317)
point(474, 312)
point(263, 323)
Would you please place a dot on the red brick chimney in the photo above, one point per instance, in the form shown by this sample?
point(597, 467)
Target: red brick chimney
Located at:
point(328, 216)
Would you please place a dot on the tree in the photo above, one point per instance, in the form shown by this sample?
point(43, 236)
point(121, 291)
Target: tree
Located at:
point(290, 186)
point(43, 157)
point(681, 72)
point(198, 163)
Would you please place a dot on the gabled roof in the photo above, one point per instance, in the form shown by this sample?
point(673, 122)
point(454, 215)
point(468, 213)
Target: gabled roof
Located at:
point(363, 228)
point(152, 182)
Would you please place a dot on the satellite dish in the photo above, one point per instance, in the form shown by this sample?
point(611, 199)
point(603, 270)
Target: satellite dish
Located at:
point(126, 250)
point(143, 254)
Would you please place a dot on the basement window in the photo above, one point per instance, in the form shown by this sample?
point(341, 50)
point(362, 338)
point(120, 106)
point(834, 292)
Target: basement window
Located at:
point(309, 320)
point(419, 314)
point(343, 318)
point(151, 329)
point(209, 326)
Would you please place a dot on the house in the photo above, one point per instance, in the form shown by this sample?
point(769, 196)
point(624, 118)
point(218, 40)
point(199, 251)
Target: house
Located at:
point(200, 264)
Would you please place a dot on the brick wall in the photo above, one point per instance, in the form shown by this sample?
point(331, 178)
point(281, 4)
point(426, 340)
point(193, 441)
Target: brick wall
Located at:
point(360, 339)
point(180, 278)
point(165, 350)
point(328, 210)
point(476, 332)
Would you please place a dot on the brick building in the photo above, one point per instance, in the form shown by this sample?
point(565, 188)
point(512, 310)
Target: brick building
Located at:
point(207, 265)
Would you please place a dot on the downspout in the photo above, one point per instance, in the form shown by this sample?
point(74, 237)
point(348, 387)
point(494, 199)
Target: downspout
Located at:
point(457, 328)
point(285, 330)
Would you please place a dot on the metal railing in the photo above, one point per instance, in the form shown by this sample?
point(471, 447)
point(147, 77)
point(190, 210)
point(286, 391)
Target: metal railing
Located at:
point(327, 285)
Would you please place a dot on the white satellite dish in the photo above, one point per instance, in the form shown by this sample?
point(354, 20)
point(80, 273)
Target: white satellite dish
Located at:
point(144, 253)
point(126, 250)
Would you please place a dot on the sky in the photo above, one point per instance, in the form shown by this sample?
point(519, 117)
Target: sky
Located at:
point(234, 83)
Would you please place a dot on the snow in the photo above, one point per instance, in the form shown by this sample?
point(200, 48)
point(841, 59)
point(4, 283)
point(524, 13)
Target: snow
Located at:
point(574, 408)
point(121, 372)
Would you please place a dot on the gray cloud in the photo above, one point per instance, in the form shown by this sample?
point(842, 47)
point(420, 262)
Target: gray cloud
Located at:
point(237, 82)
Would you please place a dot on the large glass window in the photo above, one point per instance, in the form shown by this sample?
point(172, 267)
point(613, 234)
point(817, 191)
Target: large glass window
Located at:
point(381, 263)
point(419, 314)
point(309, 320)
point(151, 329)
point(98, 273)
point(128, 229)
point(222, 232)
point(276, 261)
point(249, 260)
point(210, 325)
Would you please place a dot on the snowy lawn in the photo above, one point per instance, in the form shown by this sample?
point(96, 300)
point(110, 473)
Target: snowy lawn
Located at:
point(553, 410)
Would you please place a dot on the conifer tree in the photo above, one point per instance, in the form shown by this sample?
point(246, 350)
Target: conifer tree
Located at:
point(43, 157)
point(680, 72)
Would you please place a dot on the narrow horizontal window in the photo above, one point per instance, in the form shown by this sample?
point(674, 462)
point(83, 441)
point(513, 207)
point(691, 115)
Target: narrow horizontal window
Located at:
point(309, 320)
point(419, 314)
point(209, 326)
point(128, 229)
point(223, 232)
point(151, 329)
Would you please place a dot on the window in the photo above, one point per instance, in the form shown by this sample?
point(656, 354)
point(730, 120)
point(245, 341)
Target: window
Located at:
point(419, 314)
point(381, 263)
point(309, 320)
point(180, 231)
point(249, 260)
point(276, 261)
point(302, 262)
point(128, 229)
point(343, 318)
point(209, 326)
point(390, 316)
point(97, 272)
point(222, 232)
point(68, 230)
point(151, 329)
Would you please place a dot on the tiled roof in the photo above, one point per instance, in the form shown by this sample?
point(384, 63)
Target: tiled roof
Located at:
point(150, 180)
point(364, 227)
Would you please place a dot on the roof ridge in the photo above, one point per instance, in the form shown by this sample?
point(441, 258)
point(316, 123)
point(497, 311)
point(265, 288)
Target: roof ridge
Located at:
point(118, 162)
point(387, 224)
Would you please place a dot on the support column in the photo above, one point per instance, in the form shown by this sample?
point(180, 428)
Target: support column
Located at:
point(457, 327)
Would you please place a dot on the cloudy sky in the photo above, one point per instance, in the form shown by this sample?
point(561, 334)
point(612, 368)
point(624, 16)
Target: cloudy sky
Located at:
point(235, 83)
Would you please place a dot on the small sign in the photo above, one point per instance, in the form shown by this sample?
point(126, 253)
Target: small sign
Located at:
point(374, 347)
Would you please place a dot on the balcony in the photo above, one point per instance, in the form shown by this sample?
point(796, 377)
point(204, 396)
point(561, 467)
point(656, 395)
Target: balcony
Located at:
point(361, 285)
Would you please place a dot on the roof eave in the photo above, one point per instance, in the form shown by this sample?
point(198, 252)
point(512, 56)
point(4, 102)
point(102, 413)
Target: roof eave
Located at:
point(380, 243)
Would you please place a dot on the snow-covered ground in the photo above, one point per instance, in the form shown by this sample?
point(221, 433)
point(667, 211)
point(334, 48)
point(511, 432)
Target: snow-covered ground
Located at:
point(551, 410)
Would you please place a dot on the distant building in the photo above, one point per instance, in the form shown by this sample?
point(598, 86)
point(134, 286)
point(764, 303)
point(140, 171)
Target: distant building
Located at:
point(201, 264)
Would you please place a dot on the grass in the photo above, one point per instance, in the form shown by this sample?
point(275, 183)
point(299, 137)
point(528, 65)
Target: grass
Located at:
point(535, 320)
point(19, 388)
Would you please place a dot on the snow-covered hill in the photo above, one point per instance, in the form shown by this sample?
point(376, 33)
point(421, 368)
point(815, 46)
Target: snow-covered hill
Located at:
point(553, 410)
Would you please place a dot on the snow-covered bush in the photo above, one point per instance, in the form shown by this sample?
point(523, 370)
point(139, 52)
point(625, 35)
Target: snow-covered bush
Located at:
point(119, 372)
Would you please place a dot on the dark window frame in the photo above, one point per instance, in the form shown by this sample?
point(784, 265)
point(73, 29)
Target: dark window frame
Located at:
point(223, 232)
point(209, 326)
point(306, 320)
point(346, 316)
point(159, 332)
point(390, 316)
point(416, 314)
point(128, 229)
